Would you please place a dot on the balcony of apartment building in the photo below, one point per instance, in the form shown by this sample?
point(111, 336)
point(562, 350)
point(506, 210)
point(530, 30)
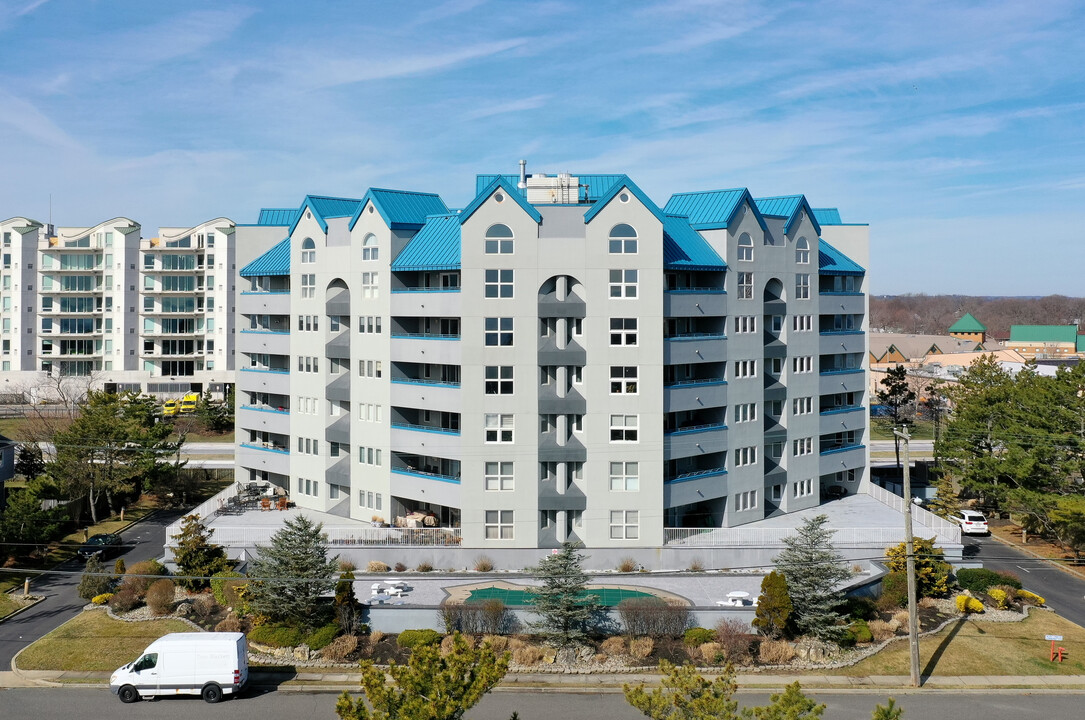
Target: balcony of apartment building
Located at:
point(559, 342)
point(172, 304)
point(422, 431)
point(426, 478)
point(71, 368)
point(424, 293)
point(845, 447)
point(429, 385)
point(694, 432)
point(266, 294)
point(694, 479)
point(559, 387)
point(81, 327)
point(841, 372)
point(560, 438)
point(63, 264)
point(264, 372)
point(694, 340)
point(337, 344)
point(50, 348)
point(264, 441)
point(561, 485)
point(338, 380)
point(56, 306)
point(173, 284)
point(73, 285)
point(174, 349)
point(189, 242)
point(846, 407)
point(169, 327)
point(841, 294)
point(561, 296)
point(841, 333)
point(268, 334)
point(693, 386)
point(426, 339)
point(266, 412)
point(693, 294)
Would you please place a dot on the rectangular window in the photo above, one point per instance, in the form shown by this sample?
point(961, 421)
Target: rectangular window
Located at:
point(746, 500)
point(370, 285)
point(499, 428)
point(624, 428)
point(498, 332)
point(308, 285)
point(802, 323)
point(623, 379)
point(802, 446)
point(746, 456)
point(623, 331)
point(623, 283)
point(745, 323)
point(802, 488)
point(745, 369)
point(499, 379)
point(745, 285)
point(624, 524)
point(499, 476)
point(777, 493)
point(746, 412)
point(499, 525)
point(499, 283)
point(802, 365)
point(802, 286)
point(802, 406)
point(624, 477)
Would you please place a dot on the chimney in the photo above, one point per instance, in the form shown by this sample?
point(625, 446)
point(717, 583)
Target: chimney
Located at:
point(523, 174)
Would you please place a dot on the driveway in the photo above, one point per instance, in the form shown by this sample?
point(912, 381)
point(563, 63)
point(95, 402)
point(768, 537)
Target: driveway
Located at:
point(143, 541)
point(1064, 592)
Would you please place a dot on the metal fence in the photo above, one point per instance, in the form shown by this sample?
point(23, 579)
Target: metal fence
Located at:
point(774, 537)
point(343, 537)
point(947, 532)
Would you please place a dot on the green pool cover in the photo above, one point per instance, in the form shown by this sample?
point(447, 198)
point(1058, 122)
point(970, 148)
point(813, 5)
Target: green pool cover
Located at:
point(608, 597)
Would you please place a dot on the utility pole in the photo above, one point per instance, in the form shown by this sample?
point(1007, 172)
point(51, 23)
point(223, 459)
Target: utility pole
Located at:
point(909, 554)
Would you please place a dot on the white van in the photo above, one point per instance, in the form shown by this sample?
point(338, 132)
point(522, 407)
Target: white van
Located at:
point(209, 664)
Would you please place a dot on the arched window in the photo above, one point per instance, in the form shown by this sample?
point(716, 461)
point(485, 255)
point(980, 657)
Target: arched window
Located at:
point(623, 239)
point(745, 247)
point(369, 247)
point(802, 251)
point(499, 240)
point(308, 251)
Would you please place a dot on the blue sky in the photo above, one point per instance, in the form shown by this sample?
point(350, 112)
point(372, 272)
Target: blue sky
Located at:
point(954, 128)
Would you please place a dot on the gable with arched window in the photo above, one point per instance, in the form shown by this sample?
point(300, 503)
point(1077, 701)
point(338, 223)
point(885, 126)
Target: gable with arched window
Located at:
point(370, 248)
point(499, 239)
point(802, 251)
point(745, 247)
point(308, 251)
point(623, 239)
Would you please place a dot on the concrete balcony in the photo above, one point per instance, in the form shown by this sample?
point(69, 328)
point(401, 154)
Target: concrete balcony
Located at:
point(436, 349)
point(264, 303)
point(845, 341)
point(551, 354)
point(550, 499)
point(426, 487)
point(849, 418)
point(427, 302)
point(339, 431)
point(429, 394)
point(338, 304)
point(694, 302)
point(339, 388)
point(571, 451)
point(695, 348)
point(571, 307)
point(572, 403)
point(696, 440)
point(338, 472)
point(694, 487)
point(338, 347)
point(842, 381)
point(271, 342)
point(426, 441)
point(257, 457)
point(264, 419)
point(848, 457)
point(694, 395)
point(276, 382)
point(842, 303)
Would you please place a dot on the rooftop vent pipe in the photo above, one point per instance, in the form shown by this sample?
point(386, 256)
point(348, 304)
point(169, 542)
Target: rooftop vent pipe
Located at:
point(523, 174)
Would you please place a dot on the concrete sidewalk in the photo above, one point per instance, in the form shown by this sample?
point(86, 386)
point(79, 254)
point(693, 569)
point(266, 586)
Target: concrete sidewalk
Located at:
point(588, 682)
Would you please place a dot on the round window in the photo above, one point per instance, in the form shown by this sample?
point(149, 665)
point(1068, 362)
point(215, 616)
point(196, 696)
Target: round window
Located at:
point(370, 209)
point(624, 197)
point(499, 197)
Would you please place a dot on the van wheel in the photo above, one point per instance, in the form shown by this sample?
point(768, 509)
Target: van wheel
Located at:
point(211, 693)
point(128, 694)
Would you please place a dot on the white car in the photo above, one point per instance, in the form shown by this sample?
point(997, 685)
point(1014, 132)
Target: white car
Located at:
point(971, 522)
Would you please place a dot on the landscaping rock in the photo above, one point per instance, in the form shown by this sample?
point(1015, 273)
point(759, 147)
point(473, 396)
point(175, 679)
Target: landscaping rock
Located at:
point(301, 652)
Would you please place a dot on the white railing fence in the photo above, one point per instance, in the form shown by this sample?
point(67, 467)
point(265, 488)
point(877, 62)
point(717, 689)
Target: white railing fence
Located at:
point(947, 531)
point(774, 537)
point(207, 510)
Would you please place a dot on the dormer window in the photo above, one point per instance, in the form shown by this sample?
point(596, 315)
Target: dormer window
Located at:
point(745, 248)
point(802, 251)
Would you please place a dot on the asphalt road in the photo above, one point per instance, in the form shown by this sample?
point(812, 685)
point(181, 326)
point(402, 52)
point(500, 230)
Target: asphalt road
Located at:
point(143, 541)
point(1065, 593)
point(47, 704)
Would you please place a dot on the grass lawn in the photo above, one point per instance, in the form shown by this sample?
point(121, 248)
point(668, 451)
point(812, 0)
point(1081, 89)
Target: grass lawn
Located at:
point(984, 648)
point(94, 641)
point(7, 606)
point(882, 429)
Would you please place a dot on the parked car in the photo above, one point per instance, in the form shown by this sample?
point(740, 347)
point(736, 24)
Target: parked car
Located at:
point(835, 492)
point(210, 665)
point(971, 522)
point(101, 546)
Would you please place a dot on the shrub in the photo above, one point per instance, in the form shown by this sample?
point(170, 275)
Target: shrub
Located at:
point(776, 652)
point(224, 587)
point(94, 581)
point(102, 599)
point(400, 567)
point(901, 618)
point(143, 574)
point(1009, 590)
point(711, 653)
point(448, 643)
point(410, 639)
point(894, 592)
point(125, 599)
point(695, 565)
point(489, 617)
point(641, 647)
point(698, 636)
point(322, 636)
point(653, 617)
point(276, 635)
point(773, 606)
point(483, 564)
point(425, 566)
point(347, 566)
point(735, 639)
point(882, 630)
point(339, 649)
point(160, 596)
point(968, 605)
point(860, 632)
point(229, 624)
point(931, 569)
point(1009, 578)
point(118, 567)
point(1031, 598)
point(999, 596)
point(979, 579)
point(627, 565)
point(927, 603)
point(528, 655)
point(613, 645)
point(859, 608)
point(376, 566)
point(204, 607)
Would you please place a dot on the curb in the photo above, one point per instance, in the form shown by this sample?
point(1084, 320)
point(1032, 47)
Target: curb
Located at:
point(1032, 553)
point(24, 608)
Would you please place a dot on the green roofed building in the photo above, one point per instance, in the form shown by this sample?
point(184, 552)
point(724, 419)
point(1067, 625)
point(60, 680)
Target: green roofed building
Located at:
point(969, 328)
point(1044, 341)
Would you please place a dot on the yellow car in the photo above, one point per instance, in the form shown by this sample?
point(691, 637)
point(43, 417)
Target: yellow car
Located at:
point(170, 408)
point(188, 403)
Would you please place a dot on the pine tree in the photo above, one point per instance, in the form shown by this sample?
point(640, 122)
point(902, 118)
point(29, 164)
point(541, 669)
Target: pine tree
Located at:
point(791, 704)
point(566, 610)
point(95, 581)
point(773, 606)
point(29, 461)
point(196, 556)
point(346, 603)
point(813, 570)
point(292, 573)
point(898, 396)
point(889, 711)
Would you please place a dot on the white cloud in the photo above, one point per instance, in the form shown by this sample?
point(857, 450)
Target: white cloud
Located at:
point(512, 106)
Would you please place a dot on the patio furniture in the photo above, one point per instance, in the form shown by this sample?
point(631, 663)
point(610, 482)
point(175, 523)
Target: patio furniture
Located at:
point(281, 503)
point(265, 504)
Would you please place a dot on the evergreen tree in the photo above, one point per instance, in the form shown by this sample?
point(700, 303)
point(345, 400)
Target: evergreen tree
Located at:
point(292, 573)
point(346, 603)
point(813, 570)
point(95, 580)
point(897, 395)
point(945, 501)
point(773, 606)
point(196, 556)
point(889, 711)
point(567, 611)
point(29, 461)
point(431, 686)
point(791, 704)
point(24, 522)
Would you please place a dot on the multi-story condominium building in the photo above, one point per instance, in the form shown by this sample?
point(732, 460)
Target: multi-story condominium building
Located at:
point(101, 304)
point(561, 359)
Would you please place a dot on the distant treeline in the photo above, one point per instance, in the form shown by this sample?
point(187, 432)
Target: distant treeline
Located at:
point(933, 314)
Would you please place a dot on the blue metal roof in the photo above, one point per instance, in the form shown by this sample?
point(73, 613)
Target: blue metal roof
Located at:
point(712, 209)
point(435, 247)
point(324, 207)
point(283, 217)
point(592, 187)
point(827, 216)
point(510, 189)
point(275, 261)
point(833, 262)
point(623, 182)
point(685, 249)
point(401, 209)
point(787, 206)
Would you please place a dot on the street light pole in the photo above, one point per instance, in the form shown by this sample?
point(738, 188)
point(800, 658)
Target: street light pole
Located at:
point(909, 554)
